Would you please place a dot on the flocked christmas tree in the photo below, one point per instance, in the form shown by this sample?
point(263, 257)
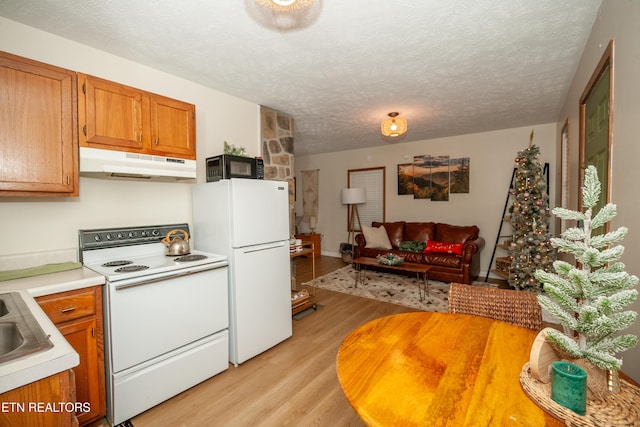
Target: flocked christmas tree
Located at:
point(588, 299)
point(530, 248)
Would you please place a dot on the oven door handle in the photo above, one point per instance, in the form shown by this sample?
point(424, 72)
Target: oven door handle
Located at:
point(163, 278)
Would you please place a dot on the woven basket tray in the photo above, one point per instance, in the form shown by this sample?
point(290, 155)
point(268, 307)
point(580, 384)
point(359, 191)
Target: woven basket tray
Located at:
point(616, 410)
point(503, 264)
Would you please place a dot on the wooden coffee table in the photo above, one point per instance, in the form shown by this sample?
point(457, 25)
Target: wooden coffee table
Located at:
point(421, 270)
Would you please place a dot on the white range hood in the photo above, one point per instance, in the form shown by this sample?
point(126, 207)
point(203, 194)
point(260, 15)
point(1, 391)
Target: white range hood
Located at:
point(98, 163)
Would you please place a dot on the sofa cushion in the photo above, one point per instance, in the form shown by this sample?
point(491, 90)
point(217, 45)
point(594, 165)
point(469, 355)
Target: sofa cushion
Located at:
point(412, 246)
point(376, 237)
point(416, 257)
point(395, 232)
point(443, 247)
point(443, 260)
point(419, 231)
point(455, 233)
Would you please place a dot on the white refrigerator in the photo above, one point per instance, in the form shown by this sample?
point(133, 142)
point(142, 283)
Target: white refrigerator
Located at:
point(248, 221)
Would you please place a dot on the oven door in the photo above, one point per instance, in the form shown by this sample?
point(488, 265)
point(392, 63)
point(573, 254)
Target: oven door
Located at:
point(151, 316)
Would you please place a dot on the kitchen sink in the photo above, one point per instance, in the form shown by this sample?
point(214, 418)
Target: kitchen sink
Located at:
point(20, 333)
point(3, 308)
point(10, 337)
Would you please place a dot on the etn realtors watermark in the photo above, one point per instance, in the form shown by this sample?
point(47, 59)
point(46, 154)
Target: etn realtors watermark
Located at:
point(40, 407)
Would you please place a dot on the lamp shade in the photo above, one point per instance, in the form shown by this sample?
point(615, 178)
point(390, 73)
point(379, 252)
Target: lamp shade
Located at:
point(353, 196)
point(394, 125)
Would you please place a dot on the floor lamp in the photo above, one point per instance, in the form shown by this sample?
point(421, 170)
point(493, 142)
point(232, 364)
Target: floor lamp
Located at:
point(352, 197)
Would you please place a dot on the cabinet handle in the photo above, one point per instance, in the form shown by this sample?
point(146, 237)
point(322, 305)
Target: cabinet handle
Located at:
point(68, 309)
point(157, 140)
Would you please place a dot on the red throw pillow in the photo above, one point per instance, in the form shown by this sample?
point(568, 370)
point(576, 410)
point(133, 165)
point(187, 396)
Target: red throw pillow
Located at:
point(443, 247)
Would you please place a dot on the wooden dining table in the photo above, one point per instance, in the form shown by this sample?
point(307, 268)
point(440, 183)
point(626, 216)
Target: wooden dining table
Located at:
point(438, 369)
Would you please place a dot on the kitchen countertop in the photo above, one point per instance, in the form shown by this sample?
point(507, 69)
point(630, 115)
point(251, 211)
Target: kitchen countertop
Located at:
point(18, 372)
point(53, 283)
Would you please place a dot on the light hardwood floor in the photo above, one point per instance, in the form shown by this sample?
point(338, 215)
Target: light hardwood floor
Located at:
point(292, 384)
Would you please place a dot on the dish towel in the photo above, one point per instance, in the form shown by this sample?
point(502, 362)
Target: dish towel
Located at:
point(37, 271)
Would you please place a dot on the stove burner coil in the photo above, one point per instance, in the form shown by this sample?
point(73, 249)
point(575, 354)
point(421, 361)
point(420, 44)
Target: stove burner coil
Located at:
point(130, 268)
point(188, 258)
point(116, 263)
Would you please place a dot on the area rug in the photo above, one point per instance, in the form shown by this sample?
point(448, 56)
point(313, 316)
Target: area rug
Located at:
point(393, 288)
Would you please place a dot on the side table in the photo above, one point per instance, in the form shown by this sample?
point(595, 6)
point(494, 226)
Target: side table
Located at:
point(301, 300)
point(314, 238)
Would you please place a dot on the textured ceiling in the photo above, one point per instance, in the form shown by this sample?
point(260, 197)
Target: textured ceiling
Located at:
point(449, 67)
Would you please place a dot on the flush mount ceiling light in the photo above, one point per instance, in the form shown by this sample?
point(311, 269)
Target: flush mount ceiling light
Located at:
point(285, 5)
point(394, 125)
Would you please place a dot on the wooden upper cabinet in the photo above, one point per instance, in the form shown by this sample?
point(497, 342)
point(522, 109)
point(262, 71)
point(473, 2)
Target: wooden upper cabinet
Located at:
point(111, 115)
point(173, 127)
point(38, 125)
point(118, 117)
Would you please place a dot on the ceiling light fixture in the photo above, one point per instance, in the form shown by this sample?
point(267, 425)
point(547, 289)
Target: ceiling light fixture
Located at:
point(394, 125)
point(285, 5)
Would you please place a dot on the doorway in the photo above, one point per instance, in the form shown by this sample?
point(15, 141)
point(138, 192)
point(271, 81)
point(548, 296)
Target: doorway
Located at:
point(596, 117)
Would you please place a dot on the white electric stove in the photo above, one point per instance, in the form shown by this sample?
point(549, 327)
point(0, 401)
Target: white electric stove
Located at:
point(166, 317)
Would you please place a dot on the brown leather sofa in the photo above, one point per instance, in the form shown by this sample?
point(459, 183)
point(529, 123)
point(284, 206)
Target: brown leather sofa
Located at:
point(447, 267)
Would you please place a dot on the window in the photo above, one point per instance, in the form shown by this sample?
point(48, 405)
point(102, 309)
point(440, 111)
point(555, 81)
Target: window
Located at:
point(373, 182)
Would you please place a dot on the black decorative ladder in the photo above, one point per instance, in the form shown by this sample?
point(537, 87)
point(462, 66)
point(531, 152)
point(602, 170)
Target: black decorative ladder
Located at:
point(545, 171)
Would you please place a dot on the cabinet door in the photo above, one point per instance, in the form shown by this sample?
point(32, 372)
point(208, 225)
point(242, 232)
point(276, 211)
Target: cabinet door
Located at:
point(82, 337)
point(111, 116)
point(38, 139)
point(173, 127)
point(78, 316)
point(47, 391)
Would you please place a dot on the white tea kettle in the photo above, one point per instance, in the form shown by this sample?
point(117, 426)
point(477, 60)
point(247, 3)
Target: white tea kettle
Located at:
point(177, 245)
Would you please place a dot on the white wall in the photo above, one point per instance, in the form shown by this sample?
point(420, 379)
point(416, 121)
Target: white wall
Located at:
point(492, 157)
point(43, 224)
point(617, 20)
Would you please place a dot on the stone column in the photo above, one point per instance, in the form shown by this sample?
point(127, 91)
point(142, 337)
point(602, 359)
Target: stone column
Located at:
point(277, 153)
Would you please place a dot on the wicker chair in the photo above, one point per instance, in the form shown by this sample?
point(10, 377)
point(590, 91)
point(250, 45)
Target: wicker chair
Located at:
point(519, 308)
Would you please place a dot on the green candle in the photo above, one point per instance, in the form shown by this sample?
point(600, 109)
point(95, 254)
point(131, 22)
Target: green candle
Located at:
point(569, 386)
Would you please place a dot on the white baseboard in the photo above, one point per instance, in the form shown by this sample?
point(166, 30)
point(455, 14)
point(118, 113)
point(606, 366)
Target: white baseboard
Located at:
point(331, 254)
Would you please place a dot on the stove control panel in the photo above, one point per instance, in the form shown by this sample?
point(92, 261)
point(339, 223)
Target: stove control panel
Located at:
point(125, 236)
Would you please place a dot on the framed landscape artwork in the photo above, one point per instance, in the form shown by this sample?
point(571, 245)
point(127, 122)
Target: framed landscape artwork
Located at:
point(405, 179)
point(459, 175)
point(434, 177)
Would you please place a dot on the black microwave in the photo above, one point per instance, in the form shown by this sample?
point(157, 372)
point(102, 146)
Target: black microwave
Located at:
point(227, 166)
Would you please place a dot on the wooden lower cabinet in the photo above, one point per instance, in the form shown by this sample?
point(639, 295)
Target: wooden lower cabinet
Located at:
point(78, 316)
point(42, 403)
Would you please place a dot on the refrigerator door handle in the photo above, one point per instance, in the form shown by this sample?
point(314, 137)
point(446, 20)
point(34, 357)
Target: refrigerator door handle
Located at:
point(264, 247)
